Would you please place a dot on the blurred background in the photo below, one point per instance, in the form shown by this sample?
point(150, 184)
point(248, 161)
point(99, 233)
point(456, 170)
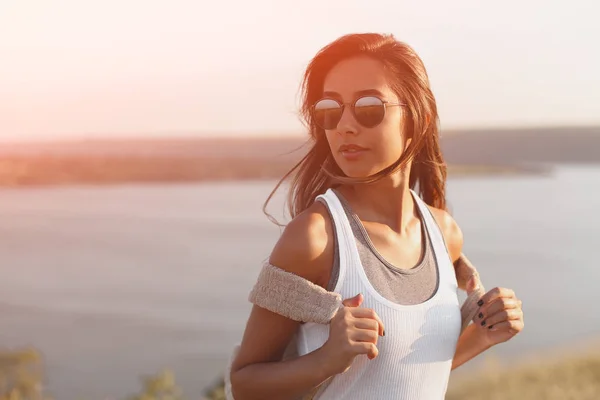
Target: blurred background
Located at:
point(139, 140)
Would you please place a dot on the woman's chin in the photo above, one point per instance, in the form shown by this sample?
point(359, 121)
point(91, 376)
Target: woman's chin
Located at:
point(358, 173)
point(358, 170)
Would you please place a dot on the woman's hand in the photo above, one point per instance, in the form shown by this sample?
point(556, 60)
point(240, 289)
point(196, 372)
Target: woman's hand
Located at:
point(500, 316)
point(353, 330)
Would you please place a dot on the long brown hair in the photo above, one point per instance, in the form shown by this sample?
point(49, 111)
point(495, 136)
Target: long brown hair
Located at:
point(316, 171)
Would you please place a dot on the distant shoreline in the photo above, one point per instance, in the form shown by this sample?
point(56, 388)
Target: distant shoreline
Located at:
point(514, 152)
point(72, 170)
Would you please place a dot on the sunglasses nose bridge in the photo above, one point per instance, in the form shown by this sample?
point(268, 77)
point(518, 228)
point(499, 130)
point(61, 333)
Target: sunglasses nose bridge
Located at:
point(347, 122)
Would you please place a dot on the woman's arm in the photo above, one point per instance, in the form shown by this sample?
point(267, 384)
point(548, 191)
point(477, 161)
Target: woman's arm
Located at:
point(469, 343)
point(499, 317)
point(305, 249)
point(469, 346)
point(257, 373)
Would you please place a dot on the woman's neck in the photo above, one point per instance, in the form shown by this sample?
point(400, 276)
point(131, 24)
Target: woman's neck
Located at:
point(387, 201)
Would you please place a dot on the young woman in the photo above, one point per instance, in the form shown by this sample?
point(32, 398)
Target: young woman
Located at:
point(369, 223)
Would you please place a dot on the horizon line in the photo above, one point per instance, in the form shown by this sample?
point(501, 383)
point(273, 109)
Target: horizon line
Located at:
point(203, 135)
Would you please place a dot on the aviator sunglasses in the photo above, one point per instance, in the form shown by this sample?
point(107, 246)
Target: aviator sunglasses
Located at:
point(368, 111)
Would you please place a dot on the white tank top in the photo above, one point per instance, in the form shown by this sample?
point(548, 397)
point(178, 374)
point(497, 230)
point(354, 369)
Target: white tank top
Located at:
point(415, 355)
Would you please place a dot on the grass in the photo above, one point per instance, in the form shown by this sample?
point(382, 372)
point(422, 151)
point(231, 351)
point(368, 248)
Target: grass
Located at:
point(569, 377)
point(573, 375)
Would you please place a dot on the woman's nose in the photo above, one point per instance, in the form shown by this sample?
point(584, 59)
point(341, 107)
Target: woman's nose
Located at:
point(347, 124)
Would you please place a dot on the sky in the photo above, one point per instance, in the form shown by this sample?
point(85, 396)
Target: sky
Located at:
point(116, 68)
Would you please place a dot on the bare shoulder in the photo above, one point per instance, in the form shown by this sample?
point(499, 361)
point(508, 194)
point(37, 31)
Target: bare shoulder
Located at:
point(306, 245)
point(305, 248)
point(451, 231)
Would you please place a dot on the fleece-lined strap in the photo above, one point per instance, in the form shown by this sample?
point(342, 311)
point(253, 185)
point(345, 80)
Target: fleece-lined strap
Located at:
point(292, 296)
point(468, 279)
point(299, 299)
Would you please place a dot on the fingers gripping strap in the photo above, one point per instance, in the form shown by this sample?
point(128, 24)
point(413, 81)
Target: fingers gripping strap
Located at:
point(293, 297)
point(470, 307)
point(468, 279)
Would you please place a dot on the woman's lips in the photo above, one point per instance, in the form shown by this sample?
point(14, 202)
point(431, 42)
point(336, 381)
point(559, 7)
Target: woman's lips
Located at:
point(352, 152)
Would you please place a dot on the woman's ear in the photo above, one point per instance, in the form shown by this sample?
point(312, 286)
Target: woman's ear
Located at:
point(406, 130)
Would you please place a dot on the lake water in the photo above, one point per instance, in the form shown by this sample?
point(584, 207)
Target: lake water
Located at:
point(112, 283)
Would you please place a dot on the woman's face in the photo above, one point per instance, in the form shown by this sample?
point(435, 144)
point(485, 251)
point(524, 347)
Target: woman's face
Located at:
point(358, 150)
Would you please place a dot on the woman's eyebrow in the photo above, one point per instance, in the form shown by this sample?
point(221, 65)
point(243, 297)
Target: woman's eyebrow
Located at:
point(356, 94)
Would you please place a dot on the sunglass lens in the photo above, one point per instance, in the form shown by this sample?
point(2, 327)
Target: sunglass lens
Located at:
point(327, 113)
point(369, 111)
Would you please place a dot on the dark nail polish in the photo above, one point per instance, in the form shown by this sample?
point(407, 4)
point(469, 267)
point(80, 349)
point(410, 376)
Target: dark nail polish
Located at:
point(490, 327)
point(480, 315)
point(480, 303)
point(383, 333)
point(482, 323)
